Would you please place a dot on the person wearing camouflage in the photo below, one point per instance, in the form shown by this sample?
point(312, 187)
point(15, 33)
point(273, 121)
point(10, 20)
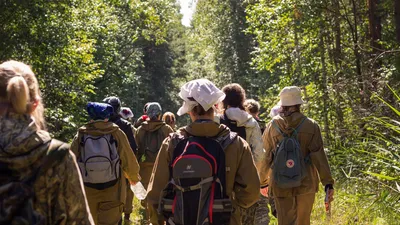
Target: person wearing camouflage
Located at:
point(59, 197)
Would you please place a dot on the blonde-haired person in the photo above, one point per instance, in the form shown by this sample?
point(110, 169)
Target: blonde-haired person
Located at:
point(29, 154)
point(169, 118)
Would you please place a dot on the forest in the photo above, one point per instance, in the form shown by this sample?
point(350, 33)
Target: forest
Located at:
point(344, 54)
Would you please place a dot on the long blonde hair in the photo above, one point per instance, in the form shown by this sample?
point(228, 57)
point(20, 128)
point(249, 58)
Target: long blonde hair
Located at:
point(19, 91)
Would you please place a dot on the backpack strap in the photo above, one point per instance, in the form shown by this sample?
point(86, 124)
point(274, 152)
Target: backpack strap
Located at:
point(278, 129)
point(226, 140)
point(295, 130)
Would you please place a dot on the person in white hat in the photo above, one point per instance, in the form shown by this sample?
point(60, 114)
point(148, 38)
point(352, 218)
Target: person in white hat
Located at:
point(294, 205)
point(242, 181)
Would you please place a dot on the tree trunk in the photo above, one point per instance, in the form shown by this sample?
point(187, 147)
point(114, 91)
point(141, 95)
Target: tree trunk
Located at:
point(324, 83)
point(360, 78)
point(375, 25)
point(336, 57)
point(375, 35)
point(298, 67)
point(397, 19)
point(397, 22)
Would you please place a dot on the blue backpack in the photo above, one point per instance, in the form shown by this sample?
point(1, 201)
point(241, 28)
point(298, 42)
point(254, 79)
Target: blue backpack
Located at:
point(289, 167)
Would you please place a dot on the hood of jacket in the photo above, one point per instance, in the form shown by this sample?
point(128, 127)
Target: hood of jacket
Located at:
point(21, 144)
point(99, 128)
point(152, 125)
point(206, 128)
point(286, 123)
point(242, 118)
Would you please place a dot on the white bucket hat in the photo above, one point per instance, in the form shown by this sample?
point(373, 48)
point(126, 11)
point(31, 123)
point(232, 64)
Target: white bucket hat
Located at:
point(290, 96)
point(203, 91)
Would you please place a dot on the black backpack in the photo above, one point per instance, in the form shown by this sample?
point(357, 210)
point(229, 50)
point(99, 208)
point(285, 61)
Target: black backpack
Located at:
point(232, 124)
point(196, 193)
point(17, 196)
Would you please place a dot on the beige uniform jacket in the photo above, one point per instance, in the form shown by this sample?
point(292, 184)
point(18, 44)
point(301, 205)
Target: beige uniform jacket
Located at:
point(140, 136)
point(242, 181)
point(129, 164)
point(311, 144)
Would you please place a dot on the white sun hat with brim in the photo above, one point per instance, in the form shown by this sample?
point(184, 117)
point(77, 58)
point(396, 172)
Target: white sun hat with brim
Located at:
point(290, 96)
point(203, 92)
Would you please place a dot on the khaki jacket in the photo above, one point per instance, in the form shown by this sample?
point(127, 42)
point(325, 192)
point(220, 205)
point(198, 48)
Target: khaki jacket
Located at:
point(242, 181)
point(311, 144)
point(129, 164)
point(59, 194)
point(150, 126)
point(146, 167)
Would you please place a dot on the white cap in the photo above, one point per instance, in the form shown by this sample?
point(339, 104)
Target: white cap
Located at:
point(290, 96)
point(203, 91)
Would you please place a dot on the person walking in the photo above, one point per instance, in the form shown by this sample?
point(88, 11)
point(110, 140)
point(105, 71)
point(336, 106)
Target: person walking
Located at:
point(150, 135)
point(39, 179)
point(240, 121)
point(196, 151)
point(117, 117)
point(293, 144)
point(105, 160)
point(143, 118)
point(253, 108)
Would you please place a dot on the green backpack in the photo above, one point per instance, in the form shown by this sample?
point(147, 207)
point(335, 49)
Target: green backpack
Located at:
point(289, 167)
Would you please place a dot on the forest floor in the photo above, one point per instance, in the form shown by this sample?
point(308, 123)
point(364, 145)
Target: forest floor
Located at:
point(346, 210)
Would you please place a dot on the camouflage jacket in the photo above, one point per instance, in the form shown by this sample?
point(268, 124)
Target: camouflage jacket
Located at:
point(59, 195)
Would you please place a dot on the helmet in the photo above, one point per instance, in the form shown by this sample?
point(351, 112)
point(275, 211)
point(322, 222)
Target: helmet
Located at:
point(114, 102)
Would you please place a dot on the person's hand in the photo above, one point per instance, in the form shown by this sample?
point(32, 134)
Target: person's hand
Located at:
point(330, 192)
point(264, 191)
point(132, 183)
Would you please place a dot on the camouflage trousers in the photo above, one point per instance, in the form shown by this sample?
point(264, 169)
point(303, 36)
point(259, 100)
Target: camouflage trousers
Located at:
point(257, 214)
point(262, 211)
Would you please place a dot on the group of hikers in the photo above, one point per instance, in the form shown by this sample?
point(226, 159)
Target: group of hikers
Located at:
point(225, 167)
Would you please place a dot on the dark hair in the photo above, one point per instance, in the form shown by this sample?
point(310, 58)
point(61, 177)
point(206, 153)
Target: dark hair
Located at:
point(286, 109)
point(199, 110)
point(235, 96)
point(114, 102)
point(252, 106)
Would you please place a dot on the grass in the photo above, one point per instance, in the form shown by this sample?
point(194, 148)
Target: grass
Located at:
point(348, 208)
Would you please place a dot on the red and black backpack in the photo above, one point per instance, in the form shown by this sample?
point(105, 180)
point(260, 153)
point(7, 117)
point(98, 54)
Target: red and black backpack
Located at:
point(196, 193)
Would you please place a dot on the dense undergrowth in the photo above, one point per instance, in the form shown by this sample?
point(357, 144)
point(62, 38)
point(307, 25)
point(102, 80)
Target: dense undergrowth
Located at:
point(367, 173)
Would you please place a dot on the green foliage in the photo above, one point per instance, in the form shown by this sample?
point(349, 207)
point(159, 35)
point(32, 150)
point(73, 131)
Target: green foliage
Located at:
point(84, 50)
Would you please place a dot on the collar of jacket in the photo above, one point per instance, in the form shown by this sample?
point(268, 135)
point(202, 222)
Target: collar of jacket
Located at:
point(152, 125)
point(20, 142)
point(288, 121)
point(99, 128)
point(206, 128)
